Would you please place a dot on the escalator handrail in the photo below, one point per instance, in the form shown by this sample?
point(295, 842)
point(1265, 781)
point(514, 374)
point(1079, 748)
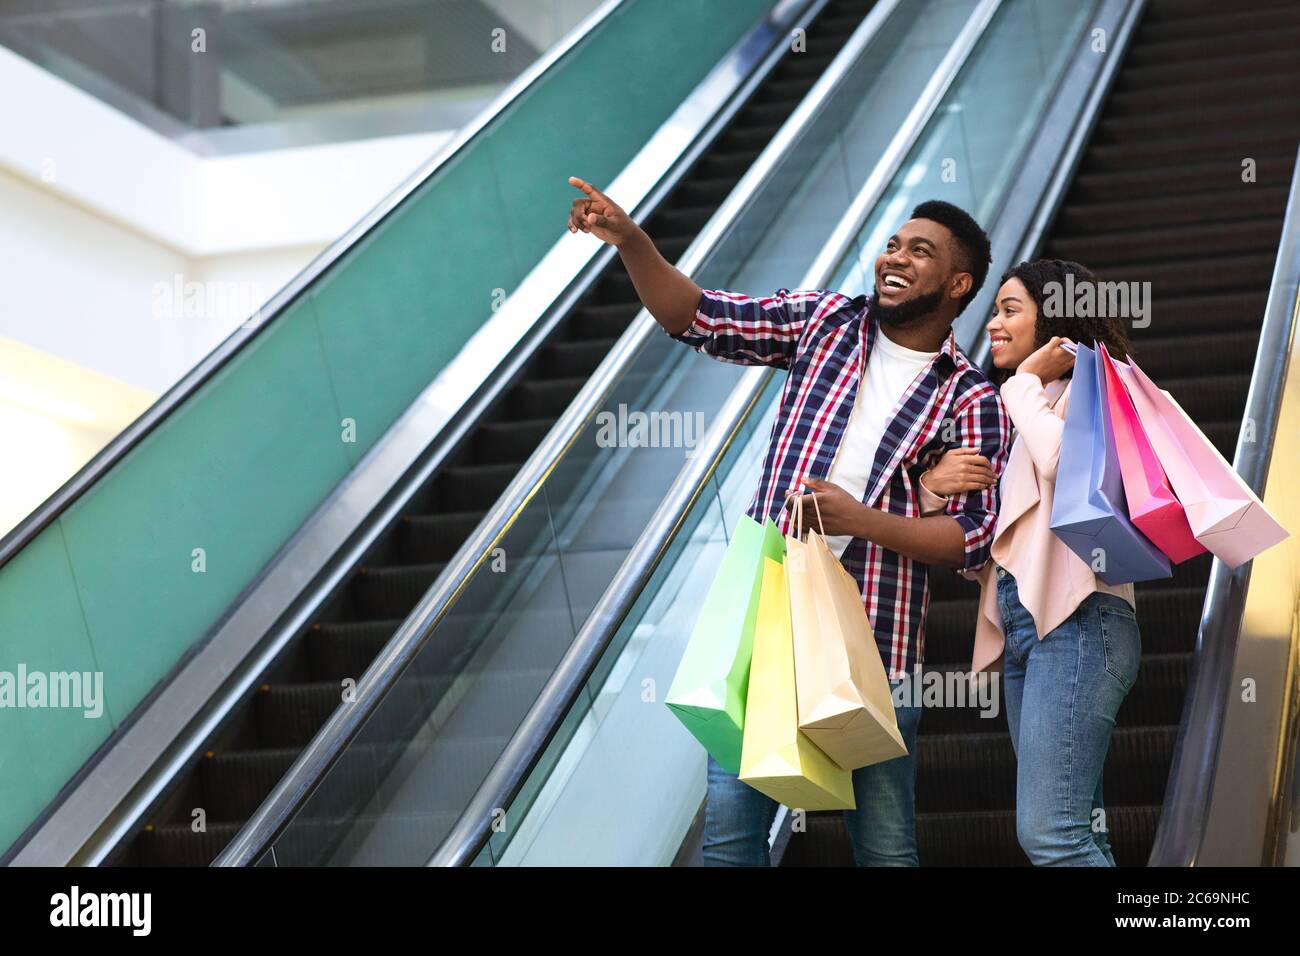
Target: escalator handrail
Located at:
point(309, 768)
point(130, 437)
point(510, 772)
point(1188, 793)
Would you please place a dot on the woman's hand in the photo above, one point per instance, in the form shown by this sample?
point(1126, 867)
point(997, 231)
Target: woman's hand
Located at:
point(840, 511)
point(1049, 363)
point(959, 470)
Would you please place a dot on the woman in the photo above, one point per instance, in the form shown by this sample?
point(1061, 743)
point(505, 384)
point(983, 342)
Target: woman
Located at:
point(1068, 641)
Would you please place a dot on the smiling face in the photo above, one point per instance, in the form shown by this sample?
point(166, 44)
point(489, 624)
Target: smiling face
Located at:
point(918, 273)
point(1012, 330)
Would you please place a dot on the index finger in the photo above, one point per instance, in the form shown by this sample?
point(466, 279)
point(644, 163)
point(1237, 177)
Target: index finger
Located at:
point(586, 187)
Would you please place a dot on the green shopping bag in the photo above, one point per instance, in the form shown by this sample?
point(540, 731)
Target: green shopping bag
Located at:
point(708, 692)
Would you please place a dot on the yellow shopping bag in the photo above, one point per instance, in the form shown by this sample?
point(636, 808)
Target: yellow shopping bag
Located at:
point(845, 706)
point(776, 759)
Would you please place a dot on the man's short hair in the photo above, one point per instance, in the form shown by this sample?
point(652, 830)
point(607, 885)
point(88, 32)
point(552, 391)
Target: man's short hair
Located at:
point(974, 252)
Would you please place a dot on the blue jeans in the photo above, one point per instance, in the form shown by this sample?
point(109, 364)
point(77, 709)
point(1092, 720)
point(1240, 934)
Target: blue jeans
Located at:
point(737, 818)
point(1067, 688)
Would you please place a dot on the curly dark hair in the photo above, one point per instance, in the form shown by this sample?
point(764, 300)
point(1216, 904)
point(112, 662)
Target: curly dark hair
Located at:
point(1036, 275)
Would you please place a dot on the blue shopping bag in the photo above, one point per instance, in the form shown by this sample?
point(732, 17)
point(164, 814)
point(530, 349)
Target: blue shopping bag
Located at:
point(1089, 512)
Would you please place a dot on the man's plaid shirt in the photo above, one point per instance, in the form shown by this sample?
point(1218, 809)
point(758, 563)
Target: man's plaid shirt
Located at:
point(824, 339)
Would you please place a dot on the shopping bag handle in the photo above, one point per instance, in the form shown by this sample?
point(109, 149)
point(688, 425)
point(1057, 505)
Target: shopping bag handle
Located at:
point(797, 494)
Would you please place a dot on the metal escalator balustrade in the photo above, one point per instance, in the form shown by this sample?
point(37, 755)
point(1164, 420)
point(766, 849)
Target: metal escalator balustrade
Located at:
point(263, 740)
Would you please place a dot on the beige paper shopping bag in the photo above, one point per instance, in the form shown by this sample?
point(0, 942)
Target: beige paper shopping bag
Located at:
point(844, 701)
point(777, 759)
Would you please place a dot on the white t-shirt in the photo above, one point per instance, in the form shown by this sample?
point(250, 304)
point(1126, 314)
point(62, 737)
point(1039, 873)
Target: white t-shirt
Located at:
point(890, 369)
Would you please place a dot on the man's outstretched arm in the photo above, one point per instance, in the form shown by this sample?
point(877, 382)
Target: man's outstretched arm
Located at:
point(668, 294)
point(727, 326)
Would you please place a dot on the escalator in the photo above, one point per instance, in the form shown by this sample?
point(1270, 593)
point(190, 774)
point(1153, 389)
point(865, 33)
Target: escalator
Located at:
point(1159, 198)
point(263, 737)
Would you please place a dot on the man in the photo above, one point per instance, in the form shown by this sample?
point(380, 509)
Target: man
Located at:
point(876, 389)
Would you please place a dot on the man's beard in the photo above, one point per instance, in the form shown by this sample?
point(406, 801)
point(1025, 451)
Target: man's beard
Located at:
point(905, 313)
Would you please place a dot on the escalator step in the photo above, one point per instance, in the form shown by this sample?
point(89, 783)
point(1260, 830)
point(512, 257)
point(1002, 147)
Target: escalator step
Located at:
point(1210, 397)
point(288, 715)
point(1244, 202)
point(1198, 11)
point(1230, 145)
point(1282, 35)
point(803, 65)
point(1168, 616)
point(345, 649)
point(1251, 116)
point(602, 321)
point(572, 359)
point(718, 165)
point(681, 220)
point(1161, 245)
point(1169, 355)
point(748, 138)
point(958, 772)
point(673, 247)
point(473, 487)
point(393, 591)
point(1186, 96)
point(434, 538)
point(1219, 24)
point(768, 112)
point(537, 397)
point(841, 27)
point(1198, 277)
point(1271, 170)
point(1198, 71)
point(510, 441)
point(176, 844)
point(236, 782)
point(1163, 681)
point(698, 191)
point(788, 90)
point(1206, 314)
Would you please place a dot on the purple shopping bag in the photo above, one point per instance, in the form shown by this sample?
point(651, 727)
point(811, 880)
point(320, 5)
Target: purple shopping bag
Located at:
point(1089, 512)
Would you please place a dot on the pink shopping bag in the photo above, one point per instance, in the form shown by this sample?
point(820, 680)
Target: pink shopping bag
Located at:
point(1223, 512)
point(1152, 505)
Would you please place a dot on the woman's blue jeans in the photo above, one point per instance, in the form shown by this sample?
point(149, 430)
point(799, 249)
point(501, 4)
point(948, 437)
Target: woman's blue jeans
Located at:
point(737, 818)
point(1062, 695)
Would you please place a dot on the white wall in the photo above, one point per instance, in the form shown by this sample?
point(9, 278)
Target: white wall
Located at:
point(99, 214)
point(100, 219)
